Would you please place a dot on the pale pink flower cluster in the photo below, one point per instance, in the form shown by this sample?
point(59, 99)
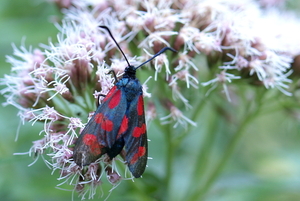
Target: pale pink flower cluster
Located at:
point(59, 83)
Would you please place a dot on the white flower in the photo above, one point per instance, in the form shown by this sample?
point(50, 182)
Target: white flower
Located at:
point(185, 65)
point(160, 62)
point(177, 116)
point(158, 37)
point(222, 79)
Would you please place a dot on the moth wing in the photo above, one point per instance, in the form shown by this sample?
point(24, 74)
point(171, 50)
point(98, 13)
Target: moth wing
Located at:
point(99, 135)
point(136, 144)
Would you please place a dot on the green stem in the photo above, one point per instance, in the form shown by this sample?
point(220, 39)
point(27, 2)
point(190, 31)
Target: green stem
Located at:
point(228, 153)
point(224, 159)
point(204, 187)
point(165, 183)
point(204, 151)
point(169, 158)
point(172, 143)
point(196, 111)
point(61, 105)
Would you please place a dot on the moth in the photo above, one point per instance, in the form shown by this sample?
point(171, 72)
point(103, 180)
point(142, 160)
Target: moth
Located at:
point(118, 123)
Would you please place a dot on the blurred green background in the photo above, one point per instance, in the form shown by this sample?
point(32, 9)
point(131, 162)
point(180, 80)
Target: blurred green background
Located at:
point(27, 20)
point(266, 165)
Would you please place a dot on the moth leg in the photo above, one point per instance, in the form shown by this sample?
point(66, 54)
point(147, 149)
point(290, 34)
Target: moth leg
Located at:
point(116, 79)
point(114, 74)
point(98, 102)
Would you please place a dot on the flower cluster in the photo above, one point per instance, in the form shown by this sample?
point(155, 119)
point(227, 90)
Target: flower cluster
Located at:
point(59, 83)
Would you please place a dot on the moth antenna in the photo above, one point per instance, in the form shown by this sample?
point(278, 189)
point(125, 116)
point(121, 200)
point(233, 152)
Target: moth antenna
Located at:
point(107, 29)
point(157, 54)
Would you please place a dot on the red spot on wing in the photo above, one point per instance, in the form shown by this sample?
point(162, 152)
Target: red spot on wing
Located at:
point(141, 152)
point(105, 123)
point(115, 100)
point(110, 93)
point(140, 105)
point(91, 141)
point(138, 131)
point(124, 126)
point(99, 118)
